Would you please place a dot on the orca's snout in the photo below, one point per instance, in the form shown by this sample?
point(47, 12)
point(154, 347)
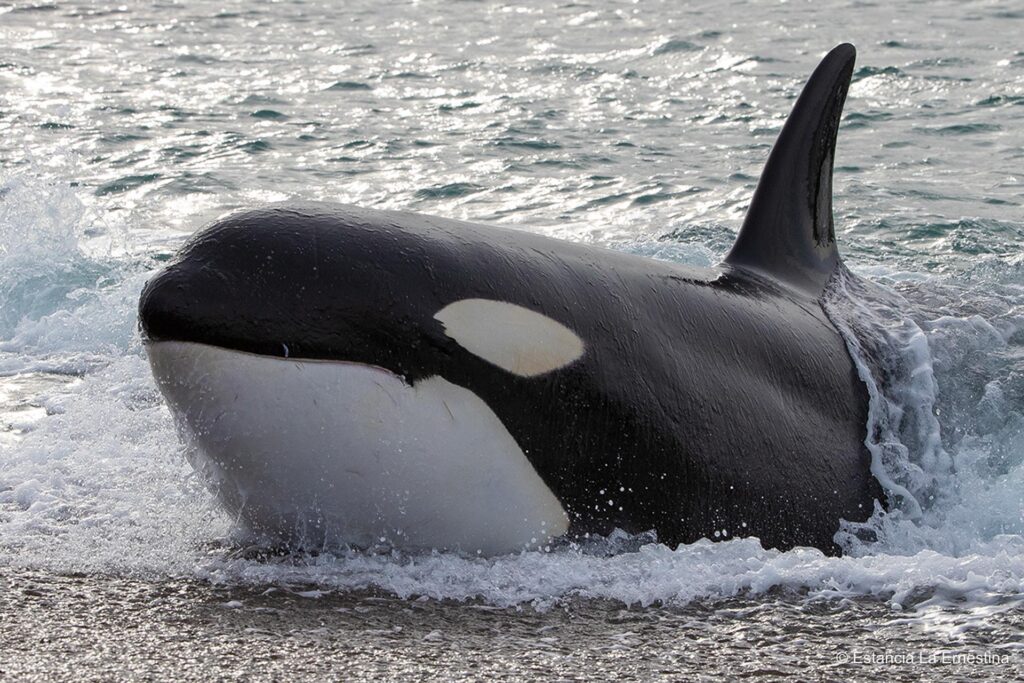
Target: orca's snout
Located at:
point(298, 282)
point(197, 300)
point(248, 283)
point(164, 308)
point(150, 308)
point(247, 286)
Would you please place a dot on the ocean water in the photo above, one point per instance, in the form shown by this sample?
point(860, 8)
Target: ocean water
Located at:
point(636, 125)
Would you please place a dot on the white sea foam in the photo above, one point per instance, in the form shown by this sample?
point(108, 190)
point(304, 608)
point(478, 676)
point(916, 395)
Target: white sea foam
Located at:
point(954, 485)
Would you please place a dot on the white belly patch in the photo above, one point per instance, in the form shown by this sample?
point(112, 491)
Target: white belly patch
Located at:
point(319, 451)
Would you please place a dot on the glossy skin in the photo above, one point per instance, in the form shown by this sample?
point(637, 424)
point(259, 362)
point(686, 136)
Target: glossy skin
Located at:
point(717, 400)
point(707, 403)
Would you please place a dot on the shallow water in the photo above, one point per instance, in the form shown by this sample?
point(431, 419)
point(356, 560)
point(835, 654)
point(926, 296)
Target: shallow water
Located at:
point(117, 628)
point(640, 126)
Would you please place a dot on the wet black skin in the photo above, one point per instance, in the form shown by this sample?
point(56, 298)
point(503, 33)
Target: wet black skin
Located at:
point(715, 399)
point(705, 401)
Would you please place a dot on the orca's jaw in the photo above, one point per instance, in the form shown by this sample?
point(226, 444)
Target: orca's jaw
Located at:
point(313, 452)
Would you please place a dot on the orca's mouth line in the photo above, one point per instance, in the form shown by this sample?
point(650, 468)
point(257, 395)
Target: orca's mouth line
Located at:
point(148, 342)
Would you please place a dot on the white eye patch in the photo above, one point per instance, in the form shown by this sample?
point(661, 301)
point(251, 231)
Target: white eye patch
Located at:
point(516, 339)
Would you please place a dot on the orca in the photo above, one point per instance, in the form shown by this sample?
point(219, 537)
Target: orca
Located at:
point(355, 376)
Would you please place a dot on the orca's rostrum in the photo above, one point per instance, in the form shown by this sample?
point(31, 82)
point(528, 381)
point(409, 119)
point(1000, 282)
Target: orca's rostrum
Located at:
point(346, 375)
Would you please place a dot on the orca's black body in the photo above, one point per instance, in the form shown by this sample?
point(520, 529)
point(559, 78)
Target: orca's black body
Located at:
point(707, 403)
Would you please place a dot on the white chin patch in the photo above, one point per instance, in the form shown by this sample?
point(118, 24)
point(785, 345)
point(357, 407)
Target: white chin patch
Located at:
point(322, 451)
point(516, 339)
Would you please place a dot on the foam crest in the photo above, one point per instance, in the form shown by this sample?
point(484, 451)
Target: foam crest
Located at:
point(55, 298)
point(953, 483)
point(653, 574)
point(40, 260)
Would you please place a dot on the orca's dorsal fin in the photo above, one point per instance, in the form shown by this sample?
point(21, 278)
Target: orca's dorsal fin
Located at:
point(788, 233)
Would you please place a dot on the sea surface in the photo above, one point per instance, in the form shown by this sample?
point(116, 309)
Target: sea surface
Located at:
point(641, 126)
